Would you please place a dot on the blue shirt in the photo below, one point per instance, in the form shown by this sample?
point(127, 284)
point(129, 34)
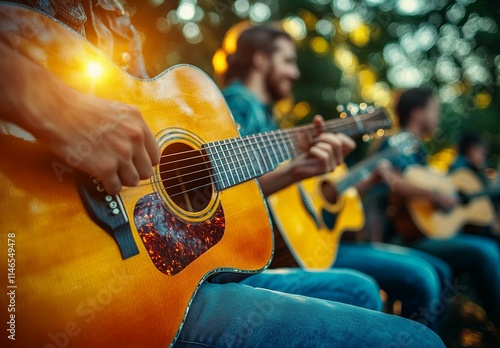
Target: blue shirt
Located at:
point(402, 161)
point(249, 113)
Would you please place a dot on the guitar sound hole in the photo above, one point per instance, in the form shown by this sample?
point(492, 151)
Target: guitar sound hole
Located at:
point(329, 192)
point(185, 174)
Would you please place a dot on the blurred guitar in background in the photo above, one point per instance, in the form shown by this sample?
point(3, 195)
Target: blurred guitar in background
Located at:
point(313, 214)
point(95, 270)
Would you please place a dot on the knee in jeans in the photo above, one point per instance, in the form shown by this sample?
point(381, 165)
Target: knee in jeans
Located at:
point(363, 281)
point(367, 288)
point(490, 254)
point(425, 281)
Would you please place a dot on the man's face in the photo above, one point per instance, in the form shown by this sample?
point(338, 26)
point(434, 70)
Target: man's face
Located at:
point(283, 70)
point(477, 156)
point(431, 116)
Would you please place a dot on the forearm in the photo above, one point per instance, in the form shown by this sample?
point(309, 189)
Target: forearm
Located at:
point(276, 180)
point(365, 185)
point(62, 118)
point(29, 93)
point(399, 185)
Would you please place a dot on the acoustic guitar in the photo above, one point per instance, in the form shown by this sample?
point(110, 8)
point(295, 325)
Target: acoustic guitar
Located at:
point(419, 217)
point(311, 220)
point(87, 269)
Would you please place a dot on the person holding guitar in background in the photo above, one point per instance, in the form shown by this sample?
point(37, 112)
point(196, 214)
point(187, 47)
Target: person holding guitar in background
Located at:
point(472, 152)
point(221, 315)
point(418, 112)
point(262, 71)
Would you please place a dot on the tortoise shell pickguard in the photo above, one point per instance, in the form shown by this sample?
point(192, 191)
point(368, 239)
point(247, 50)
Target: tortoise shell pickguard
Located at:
point(172, 243)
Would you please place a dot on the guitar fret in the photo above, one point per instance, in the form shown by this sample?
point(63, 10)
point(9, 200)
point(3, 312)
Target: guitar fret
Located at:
point(291, 144)
point(261, 170)
point(216, 165)
point(286, 146)
point(362, 170)
point(245, 159)
point(225, 165)
point(270, 144)
point(279, 145)
point(234, 161)
point(267, 157)
point(230, 155)
point(240, 159)
point(252, 159)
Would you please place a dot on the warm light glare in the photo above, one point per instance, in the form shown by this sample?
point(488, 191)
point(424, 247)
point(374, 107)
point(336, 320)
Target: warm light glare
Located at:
point(296, 27)
point(319, 45)
point(232, 35)
point(345, 60)
point(219, 62)
point(482, 100)
point(186, 11)
point(442, 160)
point(94, 70)
point(360, 36)
point(301, 109)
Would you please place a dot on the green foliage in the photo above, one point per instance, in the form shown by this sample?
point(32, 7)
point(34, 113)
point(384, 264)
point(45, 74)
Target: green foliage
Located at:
point(451, 46)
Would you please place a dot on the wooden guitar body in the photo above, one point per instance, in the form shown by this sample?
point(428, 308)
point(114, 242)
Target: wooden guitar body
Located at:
point(74, 284)
point(310, 225)
point(480, 210)
point(431, 222)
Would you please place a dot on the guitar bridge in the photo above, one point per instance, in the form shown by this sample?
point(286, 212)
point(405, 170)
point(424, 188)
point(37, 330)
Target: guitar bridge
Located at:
point(107, 212)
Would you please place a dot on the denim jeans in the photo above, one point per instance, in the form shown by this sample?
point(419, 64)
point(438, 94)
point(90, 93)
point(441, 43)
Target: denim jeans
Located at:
point(339, 285)
point(246, 315)
point(413, 277)
point(476, 256)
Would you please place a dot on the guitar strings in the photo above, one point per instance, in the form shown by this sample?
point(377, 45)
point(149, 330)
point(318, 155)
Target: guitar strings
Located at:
point(387, 153)
point(212, 182)
point(304, 129)
point(350, 178)
point(371, 124)
point(251, 147)
point(246, 163)
point(230, 171)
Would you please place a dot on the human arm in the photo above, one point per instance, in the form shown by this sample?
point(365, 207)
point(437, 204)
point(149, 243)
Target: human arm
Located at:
point(59, 117)
point(406, 190)
point(321, 157)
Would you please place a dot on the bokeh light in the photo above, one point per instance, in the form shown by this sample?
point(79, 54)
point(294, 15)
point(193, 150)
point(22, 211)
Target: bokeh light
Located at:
point(354, 51)
point(186, 11)
point(296, 27)
point(260, 12)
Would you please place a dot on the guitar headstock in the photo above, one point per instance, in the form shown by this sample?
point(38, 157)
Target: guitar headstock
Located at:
point(405, 142)
point(374, 120)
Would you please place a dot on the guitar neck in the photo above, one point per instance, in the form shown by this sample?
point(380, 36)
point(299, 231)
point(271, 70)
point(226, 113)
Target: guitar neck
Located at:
point(241, 159)
point(490, 192)
point(364, 169)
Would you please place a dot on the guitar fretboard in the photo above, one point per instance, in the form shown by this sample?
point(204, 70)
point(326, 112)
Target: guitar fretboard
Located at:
point(240, 159)
point(364, 169)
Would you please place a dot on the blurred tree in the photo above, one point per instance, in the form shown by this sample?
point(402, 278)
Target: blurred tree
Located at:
point(352, 51)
